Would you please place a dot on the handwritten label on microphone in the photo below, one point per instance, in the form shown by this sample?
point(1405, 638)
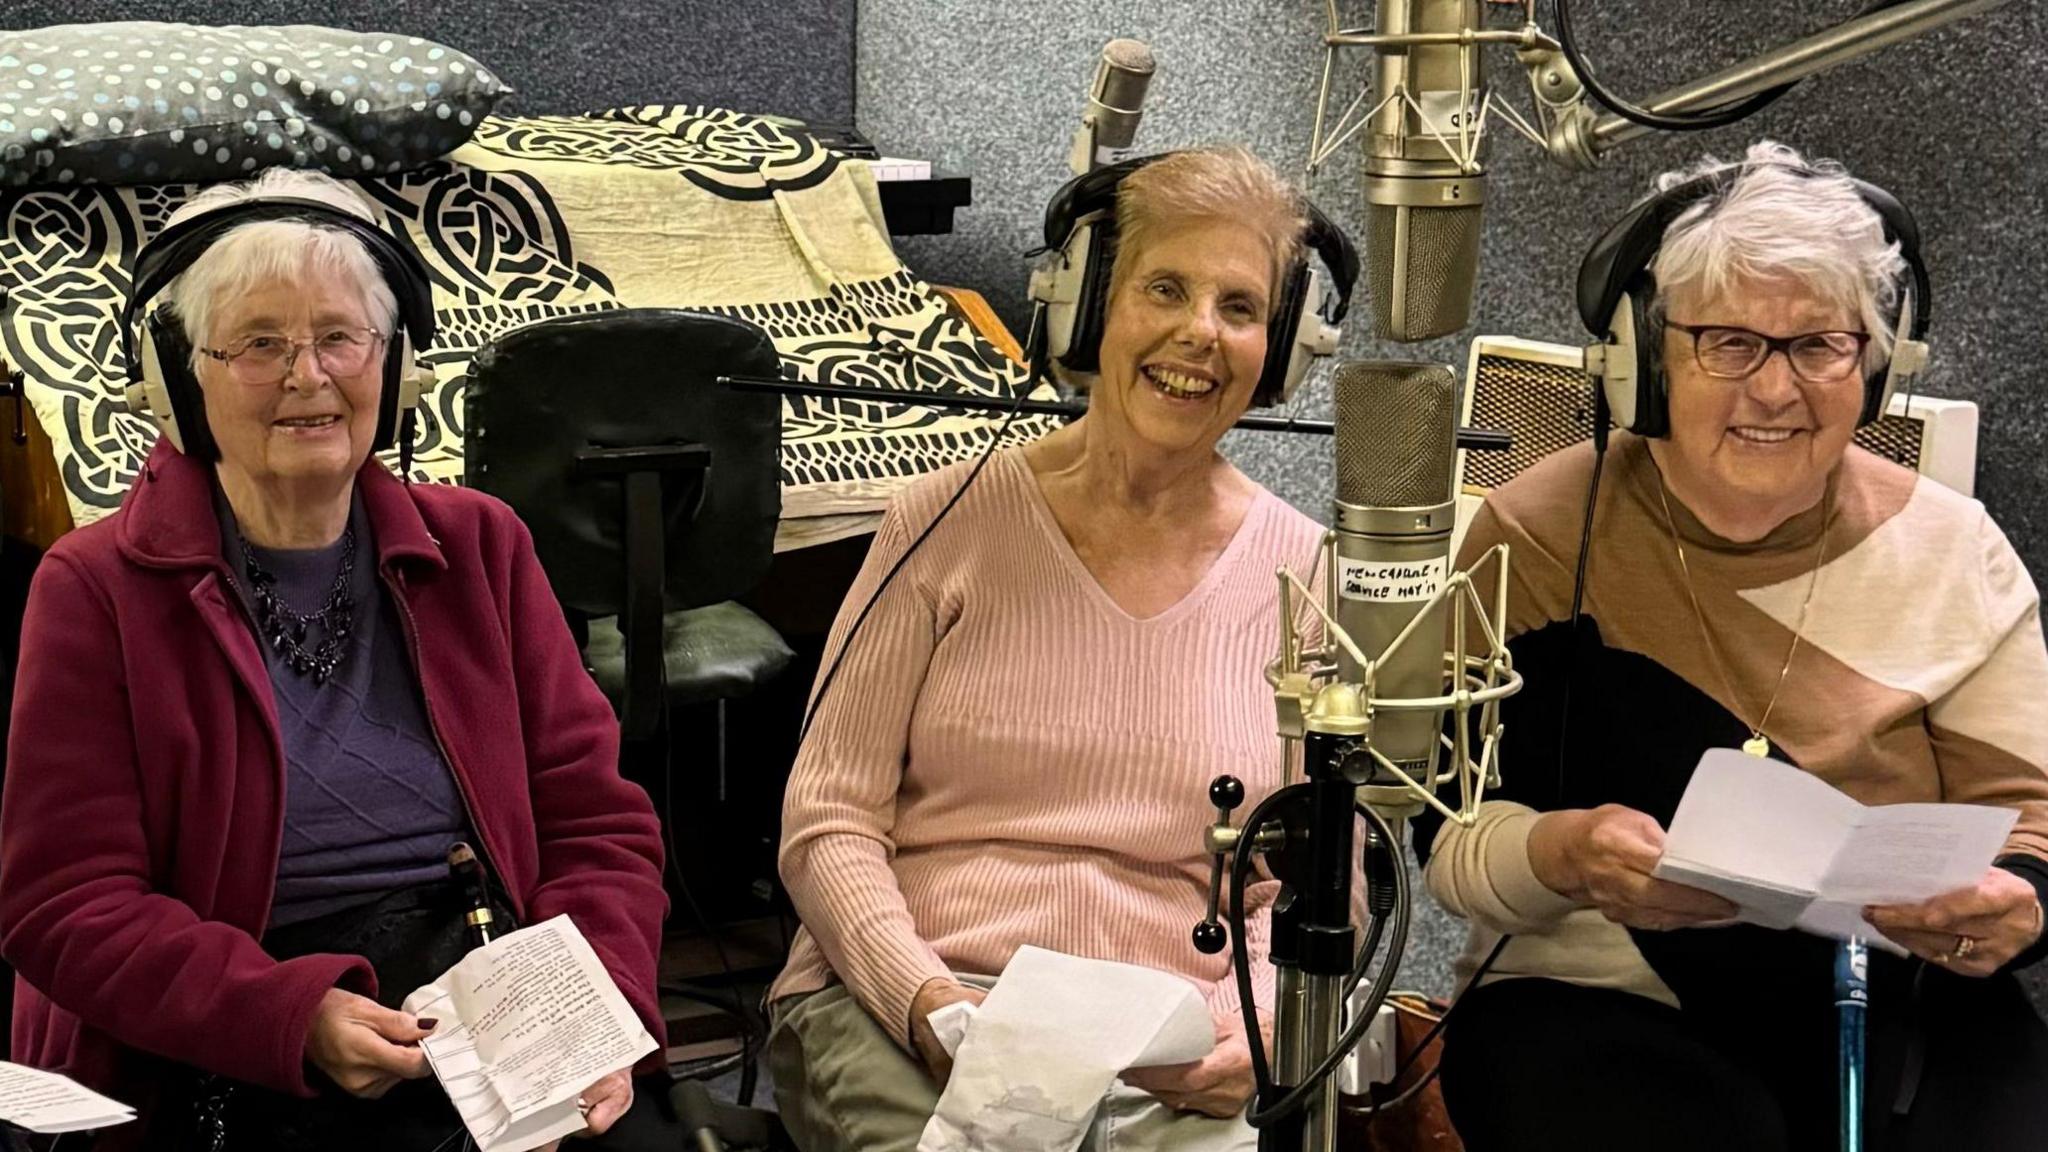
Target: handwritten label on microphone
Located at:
point(1391, 581)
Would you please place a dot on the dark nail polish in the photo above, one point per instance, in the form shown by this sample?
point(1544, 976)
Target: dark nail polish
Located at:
point(427, 1023)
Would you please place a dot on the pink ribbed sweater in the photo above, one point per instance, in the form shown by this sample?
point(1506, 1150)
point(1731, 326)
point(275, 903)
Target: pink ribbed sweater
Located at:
point(1008, 758)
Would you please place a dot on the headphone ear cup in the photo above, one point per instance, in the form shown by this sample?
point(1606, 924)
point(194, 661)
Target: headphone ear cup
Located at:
point(172, 391)
point(1633, 379)
point(1900, 371)
point(1284, 336)
point(1091, 309)
point(399, 394)
point(1653, 388)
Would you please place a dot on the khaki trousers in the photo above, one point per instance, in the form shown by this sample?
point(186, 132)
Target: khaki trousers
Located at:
point(842, 1085)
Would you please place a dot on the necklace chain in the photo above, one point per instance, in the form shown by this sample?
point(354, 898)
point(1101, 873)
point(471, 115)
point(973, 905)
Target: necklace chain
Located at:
point(1757, 744)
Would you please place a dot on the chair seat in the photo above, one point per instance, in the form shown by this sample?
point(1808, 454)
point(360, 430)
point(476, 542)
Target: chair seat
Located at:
point(716, 652)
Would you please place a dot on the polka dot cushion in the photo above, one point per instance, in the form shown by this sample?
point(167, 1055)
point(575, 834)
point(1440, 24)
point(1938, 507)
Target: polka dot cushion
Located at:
point(147, 103)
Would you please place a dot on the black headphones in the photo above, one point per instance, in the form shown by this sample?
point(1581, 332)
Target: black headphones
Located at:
point(1072, 295)
point(1615, 282)
point(161, 383)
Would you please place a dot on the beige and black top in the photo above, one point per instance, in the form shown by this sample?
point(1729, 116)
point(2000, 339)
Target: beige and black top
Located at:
point(1919, 679)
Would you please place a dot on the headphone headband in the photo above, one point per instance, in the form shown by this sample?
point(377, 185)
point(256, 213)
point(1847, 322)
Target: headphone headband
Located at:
point(158, 349)
point(177, 248)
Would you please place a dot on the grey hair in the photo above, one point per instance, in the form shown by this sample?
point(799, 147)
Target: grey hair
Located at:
point(266, 250)
point(1782, 217)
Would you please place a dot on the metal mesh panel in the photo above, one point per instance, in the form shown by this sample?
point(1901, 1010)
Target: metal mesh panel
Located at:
point(1443, 259)
point(1548, 407)
point(1896, 438)
point(1395, 426)
point(1545, 406)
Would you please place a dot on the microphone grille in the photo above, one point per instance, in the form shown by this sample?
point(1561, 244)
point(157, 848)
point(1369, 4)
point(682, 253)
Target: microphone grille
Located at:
point(1129, 55)
point(1396, 433)
point(1433, 253)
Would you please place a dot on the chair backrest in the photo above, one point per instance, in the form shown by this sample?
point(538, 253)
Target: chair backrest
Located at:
point(542, 396)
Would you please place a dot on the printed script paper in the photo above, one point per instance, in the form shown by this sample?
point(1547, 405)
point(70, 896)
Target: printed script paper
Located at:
point(527, 1023)
point(1792, 852)
point(47, 1102)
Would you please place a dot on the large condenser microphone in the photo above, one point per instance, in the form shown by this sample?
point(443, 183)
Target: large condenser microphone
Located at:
point(1396, 435)
point(1424, 188)
point(1116, 102)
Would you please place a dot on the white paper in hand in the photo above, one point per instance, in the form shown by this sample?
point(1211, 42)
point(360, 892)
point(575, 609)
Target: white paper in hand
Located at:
point(527, 1023)
point(1043, 1048)
point(1790, 851)
point(50, 1103)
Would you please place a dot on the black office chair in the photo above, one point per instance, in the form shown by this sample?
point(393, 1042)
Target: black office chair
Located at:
point(651, 492)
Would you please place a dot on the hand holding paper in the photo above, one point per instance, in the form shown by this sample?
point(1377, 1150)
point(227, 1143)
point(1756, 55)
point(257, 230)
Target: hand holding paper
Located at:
point(1041, 1050)
point(526, 1023)
point(1792, 852)
point(2000, 914)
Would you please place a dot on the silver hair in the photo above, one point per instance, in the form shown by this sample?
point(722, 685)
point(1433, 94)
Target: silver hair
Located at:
point(270, 250)
point(1782, 217)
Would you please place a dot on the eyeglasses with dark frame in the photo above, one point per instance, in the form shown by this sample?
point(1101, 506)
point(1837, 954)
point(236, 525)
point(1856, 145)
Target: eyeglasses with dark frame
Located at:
point(267, 357)
point(1730, 353)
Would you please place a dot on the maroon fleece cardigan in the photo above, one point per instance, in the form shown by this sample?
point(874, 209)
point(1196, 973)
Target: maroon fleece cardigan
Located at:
point(144, 796)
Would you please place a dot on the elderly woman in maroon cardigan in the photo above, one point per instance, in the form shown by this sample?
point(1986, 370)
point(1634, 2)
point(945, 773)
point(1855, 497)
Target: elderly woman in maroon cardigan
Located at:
point(260, 704)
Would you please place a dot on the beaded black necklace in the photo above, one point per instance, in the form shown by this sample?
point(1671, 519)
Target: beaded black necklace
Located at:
point(286, 629)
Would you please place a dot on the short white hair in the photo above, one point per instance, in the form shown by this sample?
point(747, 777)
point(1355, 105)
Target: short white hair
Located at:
point(267, 250)
point(1781, 216)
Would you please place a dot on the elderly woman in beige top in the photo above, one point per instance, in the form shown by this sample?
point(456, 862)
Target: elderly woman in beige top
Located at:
point(1753, 577)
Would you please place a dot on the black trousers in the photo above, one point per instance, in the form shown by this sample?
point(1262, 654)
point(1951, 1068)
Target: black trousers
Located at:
point(1533, 1064)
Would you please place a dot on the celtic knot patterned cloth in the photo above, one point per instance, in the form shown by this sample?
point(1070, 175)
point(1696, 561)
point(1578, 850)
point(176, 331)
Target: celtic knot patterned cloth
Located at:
point(539, 217)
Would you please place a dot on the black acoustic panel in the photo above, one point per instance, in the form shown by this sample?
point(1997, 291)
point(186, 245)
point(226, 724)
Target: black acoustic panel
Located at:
point(787, 57)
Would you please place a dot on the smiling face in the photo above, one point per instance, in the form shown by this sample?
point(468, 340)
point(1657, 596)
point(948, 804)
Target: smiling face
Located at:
point(1752, 453)
point(1185, 338)
point(312, 428)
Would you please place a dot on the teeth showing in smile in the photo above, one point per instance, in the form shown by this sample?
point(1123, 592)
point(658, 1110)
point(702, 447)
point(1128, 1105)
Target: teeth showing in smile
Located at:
point(1179, 384)
point(308, 421)
point(1765, 435)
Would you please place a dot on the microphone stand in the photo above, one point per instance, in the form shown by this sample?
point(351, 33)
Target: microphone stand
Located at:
point(1307, 832)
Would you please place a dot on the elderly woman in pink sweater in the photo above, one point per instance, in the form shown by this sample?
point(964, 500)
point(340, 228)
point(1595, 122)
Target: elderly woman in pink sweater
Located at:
point(1017, 747)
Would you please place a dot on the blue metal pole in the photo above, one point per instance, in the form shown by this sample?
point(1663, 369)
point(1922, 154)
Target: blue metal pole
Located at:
point(1852, 1002)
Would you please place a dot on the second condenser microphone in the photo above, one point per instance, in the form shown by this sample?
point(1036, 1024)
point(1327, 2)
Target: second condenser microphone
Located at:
point(1423, 202)
point(1396, 436)
point(1116, 102)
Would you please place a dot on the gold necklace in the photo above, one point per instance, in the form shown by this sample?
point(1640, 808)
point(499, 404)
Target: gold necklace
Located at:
point(1757, 745)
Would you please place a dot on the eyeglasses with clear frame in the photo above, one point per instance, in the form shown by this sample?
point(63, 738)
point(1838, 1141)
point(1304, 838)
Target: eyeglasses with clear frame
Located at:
point(1729, 353)
point(267, 357)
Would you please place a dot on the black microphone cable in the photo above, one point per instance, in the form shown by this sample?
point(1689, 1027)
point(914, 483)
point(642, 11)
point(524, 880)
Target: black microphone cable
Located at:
point(1260, 1115)
point(1034, 373)
point(1715, 117)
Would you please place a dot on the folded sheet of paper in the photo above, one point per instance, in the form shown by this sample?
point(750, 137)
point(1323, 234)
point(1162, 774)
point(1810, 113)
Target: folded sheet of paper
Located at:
point(1792, 852)
point(49, 1103)
point(527, 1022)
point(1039, 1054)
